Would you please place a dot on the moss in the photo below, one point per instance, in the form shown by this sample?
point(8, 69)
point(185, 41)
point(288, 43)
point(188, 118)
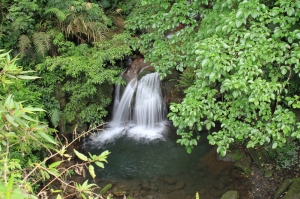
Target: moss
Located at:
point(238, 156)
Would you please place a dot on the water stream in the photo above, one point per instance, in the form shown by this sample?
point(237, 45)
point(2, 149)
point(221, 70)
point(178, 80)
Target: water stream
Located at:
point(146, 161)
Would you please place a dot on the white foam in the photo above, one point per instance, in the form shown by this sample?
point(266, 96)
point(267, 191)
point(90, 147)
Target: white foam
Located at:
point(148, 134)
point(107, 136)
point(132, 132)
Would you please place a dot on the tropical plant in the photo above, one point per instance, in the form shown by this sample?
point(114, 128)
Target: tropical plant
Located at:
point(26, 26)
point(76, 86)
point(83, 20)
point(21, 134)
point(76, 50)
point(244, 55)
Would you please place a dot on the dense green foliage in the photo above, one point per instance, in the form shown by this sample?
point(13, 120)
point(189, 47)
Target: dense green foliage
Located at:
point(239, 65)
point(286, 157)
point(73, 46)
point(84, 76)
point(245, 61)
point(22, 136)
point(21, 132)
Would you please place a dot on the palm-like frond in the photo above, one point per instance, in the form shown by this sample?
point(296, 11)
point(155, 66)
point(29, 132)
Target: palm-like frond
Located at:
point(92, 30)
point(59, 14)
point(41, 42)
point(24, 43)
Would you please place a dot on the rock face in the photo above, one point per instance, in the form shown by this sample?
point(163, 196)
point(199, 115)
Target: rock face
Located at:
point(293, 191)
point(231, 195)
point(134, 69)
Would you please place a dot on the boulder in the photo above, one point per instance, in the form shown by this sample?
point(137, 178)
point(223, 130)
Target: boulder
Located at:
point(293, 191)
point(259, 156)
point(282, 188)
point(244, 164)
point(231, 195)
point(269, 173)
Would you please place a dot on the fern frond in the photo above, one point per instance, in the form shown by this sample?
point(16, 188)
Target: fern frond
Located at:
point(55, 116)
point(94, 31)
point(41, 42)
point(24, 43)
point(60, 15)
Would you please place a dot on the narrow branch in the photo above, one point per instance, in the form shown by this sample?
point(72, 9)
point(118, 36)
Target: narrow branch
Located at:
point(57, 177)
point(6, 159)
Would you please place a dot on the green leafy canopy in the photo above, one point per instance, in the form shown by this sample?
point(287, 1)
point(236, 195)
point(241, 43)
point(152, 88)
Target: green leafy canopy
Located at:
point(244, 55)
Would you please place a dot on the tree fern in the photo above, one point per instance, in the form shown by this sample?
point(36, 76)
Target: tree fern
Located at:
point(41, 42)
point(24, 43)
point(93, 31)
point(60, 14)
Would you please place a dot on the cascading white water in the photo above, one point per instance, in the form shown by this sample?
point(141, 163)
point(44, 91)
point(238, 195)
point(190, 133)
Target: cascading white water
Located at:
point(148, 109)
point(122, 107)
point(149, 106)
point(117, 97)
point(143, 98)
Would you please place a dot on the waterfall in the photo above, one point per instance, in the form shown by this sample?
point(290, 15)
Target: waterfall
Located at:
point(149, 106)
point(138, 113)
point(122, 107)
point(148, 109)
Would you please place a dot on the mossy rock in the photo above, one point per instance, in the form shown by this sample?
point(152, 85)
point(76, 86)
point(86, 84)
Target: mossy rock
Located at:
point(293, 190)
point(259, 156)
point(231, 195)
point(282, 188)
point(269, 173)
point(244, 164)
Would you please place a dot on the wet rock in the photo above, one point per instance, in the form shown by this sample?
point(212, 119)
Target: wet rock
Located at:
point(213, 165)
point(244, 164)
point(282, 188)
point(236, 173)
point(293, 190)
point(231, 195)
point(170, 181)
point(269, 173)
point(259, 156)
point(180, 185)
point(229, 157)
point(136, 67)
